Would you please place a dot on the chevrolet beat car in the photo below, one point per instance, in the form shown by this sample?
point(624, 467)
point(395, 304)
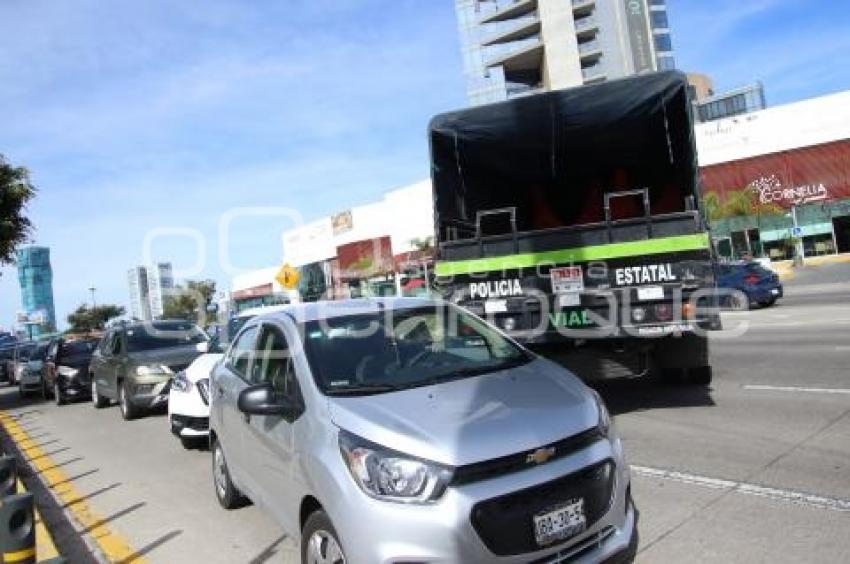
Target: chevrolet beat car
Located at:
point(408, 430)
point(135, 362)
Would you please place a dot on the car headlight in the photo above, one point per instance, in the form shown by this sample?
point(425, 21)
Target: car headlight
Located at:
point(391, 476)
point(154, 369)
point(181, 383)
point(204, 390)
point(604, 422)
point(67, 371)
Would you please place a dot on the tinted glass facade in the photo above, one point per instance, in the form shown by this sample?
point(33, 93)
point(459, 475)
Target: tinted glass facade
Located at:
point(736, 102)
point(36, 280)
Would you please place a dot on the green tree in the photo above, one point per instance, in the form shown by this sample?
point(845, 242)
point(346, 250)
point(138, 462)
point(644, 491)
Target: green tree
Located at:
point(15, 191)
point(86, 319)
point(190, 302)
point(424, 244)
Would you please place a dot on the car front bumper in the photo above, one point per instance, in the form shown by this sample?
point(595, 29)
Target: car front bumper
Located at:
point(151, 395)
point(188, 414)
point(379, 532)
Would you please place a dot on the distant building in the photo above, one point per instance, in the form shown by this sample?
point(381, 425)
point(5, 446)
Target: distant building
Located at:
point(35, 276)
point(518, 47)
point(149, 285)
point(710, 106)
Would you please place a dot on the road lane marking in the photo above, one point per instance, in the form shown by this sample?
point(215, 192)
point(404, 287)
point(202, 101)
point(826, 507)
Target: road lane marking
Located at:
point(788, 496)
point(797, 389)
point(113, 546)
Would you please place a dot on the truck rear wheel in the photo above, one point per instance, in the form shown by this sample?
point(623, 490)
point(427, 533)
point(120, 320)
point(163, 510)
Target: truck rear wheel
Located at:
point(683, 360)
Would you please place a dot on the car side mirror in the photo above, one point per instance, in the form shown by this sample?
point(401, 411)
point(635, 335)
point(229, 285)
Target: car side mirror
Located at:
point(261, 400)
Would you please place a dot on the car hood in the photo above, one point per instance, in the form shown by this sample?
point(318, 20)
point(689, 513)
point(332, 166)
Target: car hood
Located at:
point(202, 366)
point(473, 419)
point(176, 358)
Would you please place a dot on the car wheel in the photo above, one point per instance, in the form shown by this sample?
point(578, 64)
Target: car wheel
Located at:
point(319, 541)
point(97, 400)
point(128, 410)
point(57, 394)
point(228, 495)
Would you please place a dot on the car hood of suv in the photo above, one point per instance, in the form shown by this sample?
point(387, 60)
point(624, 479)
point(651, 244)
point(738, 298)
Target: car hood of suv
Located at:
point(473, 419)
point(176, 358)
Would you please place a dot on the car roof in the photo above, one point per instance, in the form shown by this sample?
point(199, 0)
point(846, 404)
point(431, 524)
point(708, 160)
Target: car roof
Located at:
point(254, 311)
point(313, 311)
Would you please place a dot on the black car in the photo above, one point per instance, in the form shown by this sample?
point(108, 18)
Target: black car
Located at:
point(66, 374)
point(7, 352)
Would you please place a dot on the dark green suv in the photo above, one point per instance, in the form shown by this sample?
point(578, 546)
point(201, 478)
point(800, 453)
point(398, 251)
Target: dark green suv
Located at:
point(135, 362)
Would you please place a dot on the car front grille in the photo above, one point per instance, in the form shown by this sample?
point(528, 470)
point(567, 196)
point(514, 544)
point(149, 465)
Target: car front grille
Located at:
point(520, 461)
point(506, 523)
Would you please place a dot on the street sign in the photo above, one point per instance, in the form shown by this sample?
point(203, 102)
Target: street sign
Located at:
point(797, 232)
point(287, 277)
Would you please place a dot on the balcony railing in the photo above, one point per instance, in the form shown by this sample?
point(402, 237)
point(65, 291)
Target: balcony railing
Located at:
point(595, 72)
point(589, 47)
point(586, 23)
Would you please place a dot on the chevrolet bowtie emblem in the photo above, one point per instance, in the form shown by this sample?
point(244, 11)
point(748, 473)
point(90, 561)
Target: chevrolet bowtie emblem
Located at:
point(540, 456)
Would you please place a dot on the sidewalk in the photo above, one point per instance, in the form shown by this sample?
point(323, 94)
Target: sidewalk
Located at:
point(786, 269)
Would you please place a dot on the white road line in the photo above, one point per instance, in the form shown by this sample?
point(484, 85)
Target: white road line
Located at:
point(789, 496)
point(797, 389)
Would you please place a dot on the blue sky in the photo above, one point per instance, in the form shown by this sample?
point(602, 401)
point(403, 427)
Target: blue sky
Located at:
point(135, 115)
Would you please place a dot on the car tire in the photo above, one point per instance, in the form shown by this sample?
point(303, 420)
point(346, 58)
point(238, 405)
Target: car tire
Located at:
point(97, 400)
point(319, 542)
point(57, 394)
point(46, 394)
point(739, 302)
point(128, 410)
point(227, 494)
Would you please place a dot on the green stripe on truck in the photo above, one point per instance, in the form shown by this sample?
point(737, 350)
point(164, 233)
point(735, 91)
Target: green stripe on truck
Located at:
point(581, 254)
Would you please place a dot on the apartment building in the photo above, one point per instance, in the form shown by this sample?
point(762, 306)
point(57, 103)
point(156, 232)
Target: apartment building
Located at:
point(149, 286)
point(519, 47)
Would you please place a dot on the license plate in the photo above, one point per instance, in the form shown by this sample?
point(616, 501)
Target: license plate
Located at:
point(650, 293)
point(560, 523)
point(567, 280)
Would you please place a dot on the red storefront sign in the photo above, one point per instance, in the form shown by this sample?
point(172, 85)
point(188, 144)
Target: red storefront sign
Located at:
point(820, 173)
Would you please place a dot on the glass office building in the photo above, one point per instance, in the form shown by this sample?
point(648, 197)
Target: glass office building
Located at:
point(732, 103)
point(35, 276)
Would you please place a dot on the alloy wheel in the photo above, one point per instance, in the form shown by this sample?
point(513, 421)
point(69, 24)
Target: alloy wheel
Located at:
point(324, 549)
point(57, 395)
point(122, 399)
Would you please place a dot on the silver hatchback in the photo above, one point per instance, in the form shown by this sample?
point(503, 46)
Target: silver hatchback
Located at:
point(409, 430)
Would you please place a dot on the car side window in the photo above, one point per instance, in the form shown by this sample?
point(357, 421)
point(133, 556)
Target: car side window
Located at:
point(52, 350)
point(106, 344)
point(274, 364)
point(115, 348)
point(242, 352)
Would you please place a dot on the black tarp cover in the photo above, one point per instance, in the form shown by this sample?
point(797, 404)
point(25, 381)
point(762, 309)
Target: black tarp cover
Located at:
point(554, 155)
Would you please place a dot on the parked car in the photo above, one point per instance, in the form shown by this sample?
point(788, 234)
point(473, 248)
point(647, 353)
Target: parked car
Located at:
point(188, 397)
point(135, 362)
point(418, 416)
point(31, 375)
point(66, 374)
point(6, 355)
point(756, 284)
point(20, 357)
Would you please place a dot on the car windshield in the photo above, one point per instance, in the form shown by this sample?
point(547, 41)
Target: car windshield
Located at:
point(404, 348)
point(234, 324)
point(25, 352)
point(152, 336)
point(78, 348)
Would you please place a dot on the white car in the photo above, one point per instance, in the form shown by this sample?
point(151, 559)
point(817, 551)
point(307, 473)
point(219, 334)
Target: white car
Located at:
point(188, 396)
point(189, 400)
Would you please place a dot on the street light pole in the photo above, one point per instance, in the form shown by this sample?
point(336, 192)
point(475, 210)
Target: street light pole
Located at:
point(93, 303)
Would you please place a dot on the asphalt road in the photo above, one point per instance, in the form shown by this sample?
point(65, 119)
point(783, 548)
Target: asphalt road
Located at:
point(756, 469)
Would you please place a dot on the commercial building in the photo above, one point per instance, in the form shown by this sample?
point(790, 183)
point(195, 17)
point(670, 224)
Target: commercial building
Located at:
point(519, 47)
point(709, 106)
point(776, 182)
point(374, 249)
point(35, 276)
point(149, 286)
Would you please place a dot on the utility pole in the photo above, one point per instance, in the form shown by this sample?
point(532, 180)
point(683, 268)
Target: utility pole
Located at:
point(93, 303)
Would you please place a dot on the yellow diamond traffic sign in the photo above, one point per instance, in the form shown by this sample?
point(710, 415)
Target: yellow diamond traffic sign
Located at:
point(287, 277)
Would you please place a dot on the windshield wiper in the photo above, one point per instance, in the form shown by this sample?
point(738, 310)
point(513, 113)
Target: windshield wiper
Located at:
point(361, 390)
